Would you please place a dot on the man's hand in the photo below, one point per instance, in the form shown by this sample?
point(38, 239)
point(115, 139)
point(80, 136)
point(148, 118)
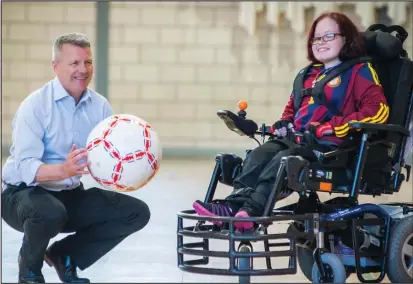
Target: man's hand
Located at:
point(76, 162)
point(74, 165)
point(281, 128)
point(320, 130)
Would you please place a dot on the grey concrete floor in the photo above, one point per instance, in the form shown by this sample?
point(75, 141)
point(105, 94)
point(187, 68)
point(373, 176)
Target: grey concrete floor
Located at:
point(150, 255)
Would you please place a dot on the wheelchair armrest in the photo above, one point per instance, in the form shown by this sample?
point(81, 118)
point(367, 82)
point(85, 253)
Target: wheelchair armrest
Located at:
point(375, 127)
point(338, 152)
point(342, 151)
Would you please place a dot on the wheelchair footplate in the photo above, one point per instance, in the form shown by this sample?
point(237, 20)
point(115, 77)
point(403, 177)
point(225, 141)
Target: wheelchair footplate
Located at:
point(240, 259)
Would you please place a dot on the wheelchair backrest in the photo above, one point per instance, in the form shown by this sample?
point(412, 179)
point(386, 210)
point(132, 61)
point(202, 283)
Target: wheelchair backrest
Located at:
point(395, 72)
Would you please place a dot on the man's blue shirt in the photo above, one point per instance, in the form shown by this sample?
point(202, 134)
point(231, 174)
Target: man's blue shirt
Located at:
point(45, 127)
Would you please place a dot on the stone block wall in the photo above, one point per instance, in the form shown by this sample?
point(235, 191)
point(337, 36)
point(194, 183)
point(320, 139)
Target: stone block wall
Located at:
point(173, 64)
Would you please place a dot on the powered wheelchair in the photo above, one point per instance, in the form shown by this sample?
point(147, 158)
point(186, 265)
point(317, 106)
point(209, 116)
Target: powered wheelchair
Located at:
point(330, 240)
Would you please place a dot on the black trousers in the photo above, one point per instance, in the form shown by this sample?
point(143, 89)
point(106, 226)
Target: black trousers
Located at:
point(101, 219)
point(254, 184)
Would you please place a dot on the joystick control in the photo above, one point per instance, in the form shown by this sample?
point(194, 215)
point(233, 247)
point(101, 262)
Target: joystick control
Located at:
point(242, 105)
point(239, 123)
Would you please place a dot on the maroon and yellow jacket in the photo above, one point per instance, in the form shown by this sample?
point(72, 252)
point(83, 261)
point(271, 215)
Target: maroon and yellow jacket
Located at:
point(356, 92)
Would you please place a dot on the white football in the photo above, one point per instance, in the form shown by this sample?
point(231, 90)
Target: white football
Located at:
point(124, 152)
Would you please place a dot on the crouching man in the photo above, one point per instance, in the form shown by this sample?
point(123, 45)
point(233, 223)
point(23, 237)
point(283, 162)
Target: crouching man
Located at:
point(42, 193)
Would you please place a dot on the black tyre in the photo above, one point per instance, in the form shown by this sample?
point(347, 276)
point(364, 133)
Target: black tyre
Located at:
point(244, 264)
point(336, 273)
point(305, 260)
point(400, 252)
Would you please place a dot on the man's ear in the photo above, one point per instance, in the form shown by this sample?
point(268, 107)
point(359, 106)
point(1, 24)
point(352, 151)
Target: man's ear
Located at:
point(54, 65)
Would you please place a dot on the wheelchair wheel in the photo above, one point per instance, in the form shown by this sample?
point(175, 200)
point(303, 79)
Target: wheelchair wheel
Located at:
point(400, 252)
point(244, 264)
point(334, 268)
point(305, 260)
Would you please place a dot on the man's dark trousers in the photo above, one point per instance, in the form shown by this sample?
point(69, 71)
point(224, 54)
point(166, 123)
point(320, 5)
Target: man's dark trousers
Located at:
point(100, 218)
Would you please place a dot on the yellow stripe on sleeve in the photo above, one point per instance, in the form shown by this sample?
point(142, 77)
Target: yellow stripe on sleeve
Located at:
point(374, 74)
point(378, 114)
point(381, 117)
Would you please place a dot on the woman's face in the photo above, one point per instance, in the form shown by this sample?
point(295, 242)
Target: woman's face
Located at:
point(327, 41)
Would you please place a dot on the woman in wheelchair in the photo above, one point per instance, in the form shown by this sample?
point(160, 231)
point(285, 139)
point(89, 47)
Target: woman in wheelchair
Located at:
point(354, 95)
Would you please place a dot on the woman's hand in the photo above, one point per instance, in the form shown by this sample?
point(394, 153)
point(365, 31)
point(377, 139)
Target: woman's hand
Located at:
point(320, 130)
point(282, 127)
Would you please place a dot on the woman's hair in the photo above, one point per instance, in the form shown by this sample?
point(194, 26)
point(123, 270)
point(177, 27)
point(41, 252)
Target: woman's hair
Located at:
point(354, 43)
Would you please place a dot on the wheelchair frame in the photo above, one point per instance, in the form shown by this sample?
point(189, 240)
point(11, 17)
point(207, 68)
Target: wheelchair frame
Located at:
point(312, 227)
point(315, 224)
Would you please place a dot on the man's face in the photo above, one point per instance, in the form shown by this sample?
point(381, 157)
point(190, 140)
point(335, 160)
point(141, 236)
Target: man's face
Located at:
point(328, 41)
point(74, 68)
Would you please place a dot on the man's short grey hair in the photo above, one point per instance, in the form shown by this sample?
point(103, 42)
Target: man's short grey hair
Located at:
point(76, 39)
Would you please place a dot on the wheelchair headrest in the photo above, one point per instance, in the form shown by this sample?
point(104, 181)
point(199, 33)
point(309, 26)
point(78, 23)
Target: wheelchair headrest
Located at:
point(382, 45)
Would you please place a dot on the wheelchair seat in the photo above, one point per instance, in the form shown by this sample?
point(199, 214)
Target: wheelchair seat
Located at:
point(372, 160)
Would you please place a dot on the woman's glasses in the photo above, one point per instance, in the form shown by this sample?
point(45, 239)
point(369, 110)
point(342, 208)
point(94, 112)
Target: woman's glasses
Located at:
point(325, 38)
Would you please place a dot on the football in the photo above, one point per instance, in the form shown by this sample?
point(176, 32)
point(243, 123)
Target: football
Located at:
point(124, 152)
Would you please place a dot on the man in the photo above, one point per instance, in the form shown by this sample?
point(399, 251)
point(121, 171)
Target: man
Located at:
point(42, 193)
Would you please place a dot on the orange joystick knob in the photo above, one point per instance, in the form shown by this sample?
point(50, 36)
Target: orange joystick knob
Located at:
point(242, 105)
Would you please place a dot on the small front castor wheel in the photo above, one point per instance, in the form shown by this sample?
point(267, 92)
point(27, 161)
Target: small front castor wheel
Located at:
point(333, 267)
point(244, 263)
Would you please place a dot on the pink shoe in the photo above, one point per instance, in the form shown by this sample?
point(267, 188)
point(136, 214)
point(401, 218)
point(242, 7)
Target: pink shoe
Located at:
point(214, 209)
point(243, 225)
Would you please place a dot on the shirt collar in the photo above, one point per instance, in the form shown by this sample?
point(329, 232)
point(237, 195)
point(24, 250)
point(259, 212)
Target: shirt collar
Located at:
point(60, 92)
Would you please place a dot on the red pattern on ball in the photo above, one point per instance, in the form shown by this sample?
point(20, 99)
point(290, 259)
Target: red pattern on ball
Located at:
point(128, 158)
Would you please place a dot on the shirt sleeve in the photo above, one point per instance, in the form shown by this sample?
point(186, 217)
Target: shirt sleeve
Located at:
point(371, 104)
point(289, 111)
point(107, 110)
point(28, 132)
